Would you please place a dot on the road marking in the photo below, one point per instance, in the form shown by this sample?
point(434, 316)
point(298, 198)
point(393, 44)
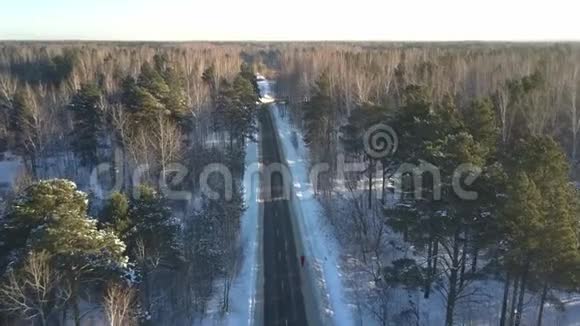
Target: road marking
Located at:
point(279, 256)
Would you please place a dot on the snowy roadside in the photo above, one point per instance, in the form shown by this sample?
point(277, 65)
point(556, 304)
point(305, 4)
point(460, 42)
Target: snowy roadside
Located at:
point(321, 248)
point(481, 308)
point(244, 291)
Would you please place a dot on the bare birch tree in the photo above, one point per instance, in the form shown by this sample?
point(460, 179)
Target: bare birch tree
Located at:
point(119, 305)
point(167, 142)
point(34, 291)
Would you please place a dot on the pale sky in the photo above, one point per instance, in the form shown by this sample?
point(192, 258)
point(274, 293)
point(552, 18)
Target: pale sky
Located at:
point(182, 20)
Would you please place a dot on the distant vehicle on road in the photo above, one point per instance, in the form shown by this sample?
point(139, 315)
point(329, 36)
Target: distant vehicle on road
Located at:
point(259, 77)
point(267, 99)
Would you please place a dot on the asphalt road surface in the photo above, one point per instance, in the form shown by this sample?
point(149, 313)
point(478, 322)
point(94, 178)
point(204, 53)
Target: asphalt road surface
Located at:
point(283, 298)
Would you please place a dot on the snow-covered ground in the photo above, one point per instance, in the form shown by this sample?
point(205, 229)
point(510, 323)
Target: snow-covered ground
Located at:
point(243, 294)
point(10, 167)
point(321, 248)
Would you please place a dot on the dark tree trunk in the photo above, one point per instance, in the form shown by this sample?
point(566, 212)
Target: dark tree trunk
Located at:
point(474, 258)
point(226, 294)
point(435, 259)
point(32, 166)
point(506, 292)
point(519, 311)
point(64, 315)
point(75, 303)
point(428, 280)
point(42, 319)
point(453, 275)
point(463, 263)
point(542, 301)
point(146, 291)
point(383, 196)
point(514, 301)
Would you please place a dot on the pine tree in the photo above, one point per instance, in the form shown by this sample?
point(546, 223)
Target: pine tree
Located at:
point(245, 107)
point(353, 134)
point(522, 222)
point(205, 252)
point(115, 214)
point(414, 124)
point(87, 117)
point(236, 109)
point(61, 67)
point(52, 216)
point(159, 89)
point(539, 220)
point(248, 74)
point(454, 230)
point(481, 123)
point(151, 80)
point(318, 117)
point(142, 105)
point(438, 217)
point(153, 241)
point(176, 100)
point(210, 78)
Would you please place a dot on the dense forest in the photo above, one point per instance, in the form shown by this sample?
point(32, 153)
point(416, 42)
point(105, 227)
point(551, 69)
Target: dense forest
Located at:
point(116, 243)
point(497, 120)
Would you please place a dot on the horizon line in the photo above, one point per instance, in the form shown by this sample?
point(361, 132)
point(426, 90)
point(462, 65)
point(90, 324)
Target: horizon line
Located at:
point(531, 40)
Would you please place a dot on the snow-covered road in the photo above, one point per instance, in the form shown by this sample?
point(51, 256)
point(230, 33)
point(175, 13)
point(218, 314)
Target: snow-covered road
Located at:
point(321, 249)
point(316, 240)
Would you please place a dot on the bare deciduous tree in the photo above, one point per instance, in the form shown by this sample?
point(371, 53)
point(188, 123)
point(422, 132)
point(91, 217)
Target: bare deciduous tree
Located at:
point(119, 304)
point(167, 143)
point(35, 290)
